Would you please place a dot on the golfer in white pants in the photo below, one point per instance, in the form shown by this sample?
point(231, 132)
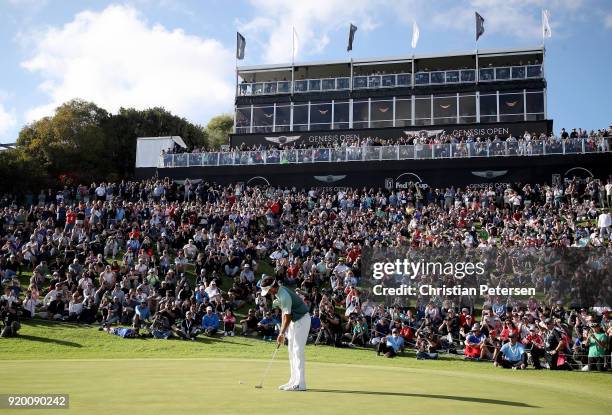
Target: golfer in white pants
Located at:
point(295, 326)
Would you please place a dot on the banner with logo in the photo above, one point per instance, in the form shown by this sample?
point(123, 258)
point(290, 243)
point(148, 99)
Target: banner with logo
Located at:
point(339, 136)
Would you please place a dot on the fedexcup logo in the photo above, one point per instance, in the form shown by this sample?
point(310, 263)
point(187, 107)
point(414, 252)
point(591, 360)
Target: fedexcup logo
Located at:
point(424, 133)
point(283, 139)
point(490, 174)
point(330, 178)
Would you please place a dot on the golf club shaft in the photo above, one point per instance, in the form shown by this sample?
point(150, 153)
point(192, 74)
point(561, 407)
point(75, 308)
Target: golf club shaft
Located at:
point(269, 364)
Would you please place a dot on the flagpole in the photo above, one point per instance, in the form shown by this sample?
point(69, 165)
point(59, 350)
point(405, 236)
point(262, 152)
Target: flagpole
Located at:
point(292, 45)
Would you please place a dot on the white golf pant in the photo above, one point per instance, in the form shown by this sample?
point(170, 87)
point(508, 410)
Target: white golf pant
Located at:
point(297, 336)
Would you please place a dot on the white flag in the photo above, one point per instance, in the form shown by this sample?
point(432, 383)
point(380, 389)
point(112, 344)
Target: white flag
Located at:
point(294, 50)
point(546, 32)
point(415, 34)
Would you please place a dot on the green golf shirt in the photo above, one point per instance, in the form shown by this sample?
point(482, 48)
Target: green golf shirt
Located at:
point(291, 303)
point(594, 349)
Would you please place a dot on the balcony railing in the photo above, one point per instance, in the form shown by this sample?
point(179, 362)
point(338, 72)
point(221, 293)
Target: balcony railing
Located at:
point(380, 153)
point(400, 80)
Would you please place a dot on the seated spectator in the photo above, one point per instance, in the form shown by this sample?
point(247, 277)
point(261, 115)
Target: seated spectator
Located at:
point(392, 345)
point(249, 324)
point(511, 355)
point(474, 343)
point(189, 327)
point(266, 326)
point(535, 344)
point(229, 323)
point(210, 322)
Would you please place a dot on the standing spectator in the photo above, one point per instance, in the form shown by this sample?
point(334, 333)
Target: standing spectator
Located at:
point(597, 342)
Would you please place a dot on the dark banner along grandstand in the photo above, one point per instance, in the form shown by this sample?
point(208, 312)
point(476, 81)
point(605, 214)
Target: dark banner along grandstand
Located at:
point(398, 173)
point(311, 138)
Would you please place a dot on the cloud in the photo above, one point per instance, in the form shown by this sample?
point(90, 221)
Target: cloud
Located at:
point(115, 58)
point(515, 18)
point(271, 28)
point(8, 121)
point(608, 21)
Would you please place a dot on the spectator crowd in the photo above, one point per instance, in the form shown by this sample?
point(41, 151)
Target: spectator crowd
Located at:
point(163, 259)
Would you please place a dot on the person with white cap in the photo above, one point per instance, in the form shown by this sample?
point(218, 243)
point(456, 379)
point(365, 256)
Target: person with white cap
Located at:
point(295, 326)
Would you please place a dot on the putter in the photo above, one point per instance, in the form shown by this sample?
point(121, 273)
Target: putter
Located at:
point(268, 368)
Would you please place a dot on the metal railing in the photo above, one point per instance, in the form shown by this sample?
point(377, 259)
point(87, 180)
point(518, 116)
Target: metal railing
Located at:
point(383, 153)
point(399, 80)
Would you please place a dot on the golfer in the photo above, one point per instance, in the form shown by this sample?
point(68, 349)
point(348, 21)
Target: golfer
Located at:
point(295, 326)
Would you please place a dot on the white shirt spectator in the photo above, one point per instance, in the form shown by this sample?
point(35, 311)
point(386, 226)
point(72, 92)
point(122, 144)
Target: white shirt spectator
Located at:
point(604, 221)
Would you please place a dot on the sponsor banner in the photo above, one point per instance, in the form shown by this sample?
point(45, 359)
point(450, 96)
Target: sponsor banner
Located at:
point(339, 136)
point(471, 277)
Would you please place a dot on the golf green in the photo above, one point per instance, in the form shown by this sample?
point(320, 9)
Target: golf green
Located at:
point(226, 386)
point(105, 374)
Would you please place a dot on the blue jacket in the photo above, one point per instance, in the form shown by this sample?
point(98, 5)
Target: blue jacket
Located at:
point(210, 322)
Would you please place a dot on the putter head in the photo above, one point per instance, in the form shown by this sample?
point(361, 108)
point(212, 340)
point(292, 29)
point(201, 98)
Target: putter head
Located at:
point(258, 386)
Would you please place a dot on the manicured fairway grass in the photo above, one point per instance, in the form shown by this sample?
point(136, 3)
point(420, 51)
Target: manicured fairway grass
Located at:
point(105, 374)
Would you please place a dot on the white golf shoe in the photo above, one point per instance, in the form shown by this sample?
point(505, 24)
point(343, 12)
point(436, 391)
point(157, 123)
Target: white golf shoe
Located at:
point(295, 388)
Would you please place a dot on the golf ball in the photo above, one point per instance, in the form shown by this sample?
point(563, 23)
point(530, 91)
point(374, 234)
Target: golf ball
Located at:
point(240, 382)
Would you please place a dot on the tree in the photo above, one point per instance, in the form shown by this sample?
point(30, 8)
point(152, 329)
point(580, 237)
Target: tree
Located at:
point(71, 142)
point(20, 172)
point(85, 142)
point(219, 129)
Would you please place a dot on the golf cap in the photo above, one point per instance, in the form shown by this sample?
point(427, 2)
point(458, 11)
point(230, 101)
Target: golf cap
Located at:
point(209, 308)
point(266, 284)
point(475, 327)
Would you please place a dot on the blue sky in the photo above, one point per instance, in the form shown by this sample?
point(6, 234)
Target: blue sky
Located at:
point(180, 54)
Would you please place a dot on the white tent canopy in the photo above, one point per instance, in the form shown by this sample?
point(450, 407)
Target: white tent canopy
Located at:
point(148, 149)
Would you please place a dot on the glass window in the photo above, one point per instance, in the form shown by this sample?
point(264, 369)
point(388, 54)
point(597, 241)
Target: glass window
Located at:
point(468, 75)
point(403, 112)
point(511, 107)
point(283, 116)
point(518, 72)
point(502, 73)
point(452, 76)
point(328, 84)
point(381, 114)
point(300, 85)
point(342, 83)
point(243, 117)
point(360, 114)
point(488, 108)
point(263, 117)
point(320, 116)
point(422, 110)
point(314, 84)
point(388, 80)
point(283, 86)
point(360, 82)
point(445, 110)
point(487, 74)
point(300, 117)
point(341, 115)
point(437, 77)
point(534, 71)
point(535, 106)
point(421, 78)
point(403, 79)
point(467, 108)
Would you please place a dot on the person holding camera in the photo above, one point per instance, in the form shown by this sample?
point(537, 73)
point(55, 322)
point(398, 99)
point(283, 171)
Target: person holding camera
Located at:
point(597, 341)
point(9, 319)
